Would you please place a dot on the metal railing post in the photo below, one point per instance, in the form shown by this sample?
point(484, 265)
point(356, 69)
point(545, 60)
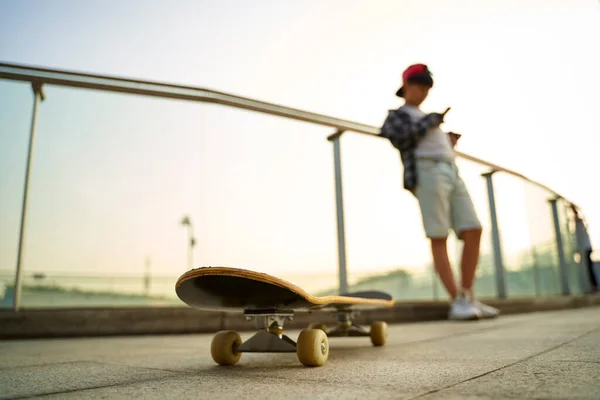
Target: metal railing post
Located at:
point(38, 96)
point(562, 264)
point(536, 273)
point(580, 248)
point(496, 246)
point(575, 248)
point(339, 206)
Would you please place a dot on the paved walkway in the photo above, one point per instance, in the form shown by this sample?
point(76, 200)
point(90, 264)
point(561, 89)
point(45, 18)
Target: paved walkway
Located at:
point(542, 355)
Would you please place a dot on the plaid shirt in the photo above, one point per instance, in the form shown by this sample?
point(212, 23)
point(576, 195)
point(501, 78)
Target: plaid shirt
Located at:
point(405, 134)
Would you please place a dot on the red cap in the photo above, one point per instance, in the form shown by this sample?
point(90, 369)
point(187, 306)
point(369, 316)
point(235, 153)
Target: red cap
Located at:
point(418, 73)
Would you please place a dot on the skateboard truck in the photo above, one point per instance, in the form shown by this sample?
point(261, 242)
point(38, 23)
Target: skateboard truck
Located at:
point(346, 328)
point(270, 338)
point(345, 325)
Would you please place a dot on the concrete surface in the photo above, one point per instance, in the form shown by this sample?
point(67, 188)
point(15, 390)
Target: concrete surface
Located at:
point(53, 323)
point(549, 355)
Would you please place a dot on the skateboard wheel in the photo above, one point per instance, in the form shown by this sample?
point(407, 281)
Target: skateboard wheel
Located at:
point(378, 333)
point(312, 347)
point(317, 325)
point(223, 347)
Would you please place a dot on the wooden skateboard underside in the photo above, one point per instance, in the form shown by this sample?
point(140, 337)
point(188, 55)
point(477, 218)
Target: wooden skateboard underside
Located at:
point(217, 288)
point(271, 301)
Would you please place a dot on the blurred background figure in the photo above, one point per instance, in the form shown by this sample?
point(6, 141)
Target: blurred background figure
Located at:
point(584, 245)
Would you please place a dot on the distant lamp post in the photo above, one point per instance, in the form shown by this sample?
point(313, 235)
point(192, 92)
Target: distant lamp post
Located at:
point(147, 278)
point(186, 221)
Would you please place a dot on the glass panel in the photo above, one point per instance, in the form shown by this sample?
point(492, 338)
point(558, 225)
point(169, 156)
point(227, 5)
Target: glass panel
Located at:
point(386, 245)
point(575, 270)
point(485, 283)
point(514, 235)
point(16, 105)
point(115, 174)
point(542, 241)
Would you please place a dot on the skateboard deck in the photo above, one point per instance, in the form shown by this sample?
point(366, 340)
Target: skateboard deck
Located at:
point(222, 288)
point(270, 301)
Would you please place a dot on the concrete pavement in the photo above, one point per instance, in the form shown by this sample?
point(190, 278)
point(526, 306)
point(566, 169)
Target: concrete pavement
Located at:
point(539, 355)
point(120, 321)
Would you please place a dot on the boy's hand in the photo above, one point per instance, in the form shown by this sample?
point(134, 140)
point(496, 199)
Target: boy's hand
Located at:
point(436, 118)
point(453, 138)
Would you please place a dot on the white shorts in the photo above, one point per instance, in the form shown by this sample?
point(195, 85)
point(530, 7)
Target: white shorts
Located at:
point(444, 200)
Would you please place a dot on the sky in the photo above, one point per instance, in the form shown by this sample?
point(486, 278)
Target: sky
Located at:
point(113, 174)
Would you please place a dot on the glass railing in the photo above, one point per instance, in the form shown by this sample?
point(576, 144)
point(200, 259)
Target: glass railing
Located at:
point(119, 163)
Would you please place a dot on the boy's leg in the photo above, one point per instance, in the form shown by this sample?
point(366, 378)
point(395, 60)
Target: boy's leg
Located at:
point(433, 192)
point(468, 228)
point(442, 266)
point(470, 256)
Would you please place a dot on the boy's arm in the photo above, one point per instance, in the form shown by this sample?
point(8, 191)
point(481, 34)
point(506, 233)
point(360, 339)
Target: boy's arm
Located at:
point(403, 133)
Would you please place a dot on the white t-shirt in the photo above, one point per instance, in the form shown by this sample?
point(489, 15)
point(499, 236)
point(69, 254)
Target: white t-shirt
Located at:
point(435, 144)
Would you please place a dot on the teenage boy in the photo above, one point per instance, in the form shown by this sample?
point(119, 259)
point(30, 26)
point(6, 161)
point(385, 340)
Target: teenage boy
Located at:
point(431, 175)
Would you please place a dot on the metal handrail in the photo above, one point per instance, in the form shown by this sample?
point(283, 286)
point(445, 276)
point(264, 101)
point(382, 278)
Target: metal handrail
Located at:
point(164, 90)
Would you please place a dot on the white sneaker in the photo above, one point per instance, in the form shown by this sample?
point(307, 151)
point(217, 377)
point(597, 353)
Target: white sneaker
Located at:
point(486, 311)
point(463, 310)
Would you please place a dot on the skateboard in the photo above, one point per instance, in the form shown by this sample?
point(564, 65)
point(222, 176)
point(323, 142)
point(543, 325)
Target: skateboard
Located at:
point(270, 301)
